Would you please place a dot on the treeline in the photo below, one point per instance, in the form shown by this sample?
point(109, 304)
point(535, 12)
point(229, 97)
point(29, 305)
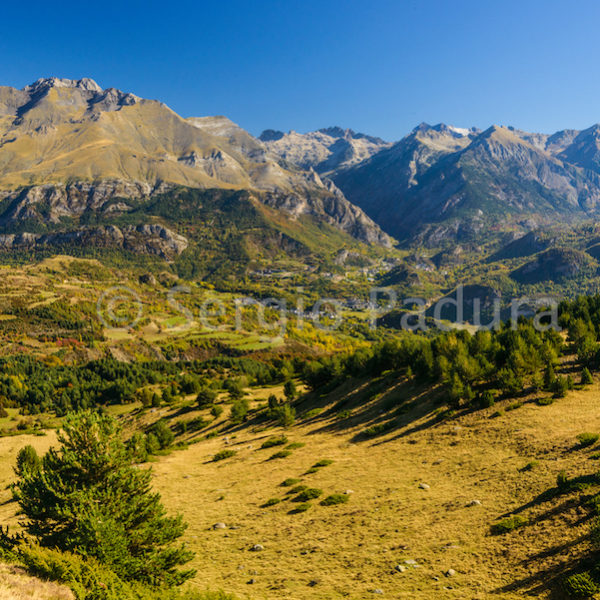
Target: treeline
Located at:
point(480, 366)
point(38, 387)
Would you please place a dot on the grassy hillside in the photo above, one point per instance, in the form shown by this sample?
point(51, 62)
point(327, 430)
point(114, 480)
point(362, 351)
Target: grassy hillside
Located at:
point(15, 584)
point(428, 491)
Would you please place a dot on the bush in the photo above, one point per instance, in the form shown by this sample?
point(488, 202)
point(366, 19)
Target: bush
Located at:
point(562, 480)
point(91, 580)
point(308, 494)
point(284, 414)
point(507, 525)
point(216, 411)
point(530, 465)
point(301, 508)
point(289, 390)
point(239, 411)
point(271, 502)
point(295, 445)
point(206, 397)
point(223, 454)
point(334, 499)
point(580, 585)
point(586, 377)
point(280, 454)
point(276, 441)
point(297, 489)
point(545, 401)
point(325, 462)
point(487, 399)
point(312, 413)
point(163, 434)
point(290, 481)
point(560, 387)
point(28, 461)
point(587, 439)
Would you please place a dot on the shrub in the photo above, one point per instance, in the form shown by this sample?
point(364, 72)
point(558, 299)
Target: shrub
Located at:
point(545, 401)
point(91, 580)
point(239, 411)
point(271, 502)
point(580, 585)
point(280, 454)
point(206, 396)
point(586, 377)
point(298, 489)
point(325, 462)
point(223, 454)
point(487, 399)
point(295, 445)
point(562, 480)
point(276, 441)
point(308, 494)
point(163, 434)
point(216, 411)
point(530, 465)
point(507, 525)
point(289, 390)
point(301, 508)
point(284, 414)
point(290, 481)
point(312, 413)
point(560, 387)
point(334, 499)
point(272, 402)
point(587, 439)
point(28, 461)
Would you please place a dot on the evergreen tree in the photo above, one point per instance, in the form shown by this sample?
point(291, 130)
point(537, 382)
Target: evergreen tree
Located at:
point(549, 377)
point(206, 397)
point(88, 498)
point(28, 461)
point(289, 390)
point(586, 377)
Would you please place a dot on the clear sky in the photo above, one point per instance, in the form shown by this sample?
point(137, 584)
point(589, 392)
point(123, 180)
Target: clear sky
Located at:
point(378, 66)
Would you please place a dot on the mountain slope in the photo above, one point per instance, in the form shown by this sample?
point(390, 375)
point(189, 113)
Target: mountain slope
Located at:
point(467, 179)
point(69, 148)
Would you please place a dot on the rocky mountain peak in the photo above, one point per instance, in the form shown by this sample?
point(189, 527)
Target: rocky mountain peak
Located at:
point(337, 132)
point(45, 83)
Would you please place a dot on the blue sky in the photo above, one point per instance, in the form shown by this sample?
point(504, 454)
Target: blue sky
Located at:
point(380, 67)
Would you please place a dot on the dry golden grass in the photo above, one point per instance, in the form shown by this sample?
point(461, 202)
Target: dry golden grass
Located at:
point(347, 551)
point(15, 584)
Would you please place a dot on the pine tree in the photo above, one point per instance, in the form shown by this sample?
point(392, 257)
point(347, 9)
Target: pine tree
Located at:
point(586, 377)
point(28, 461)
point(289, 390)
point(549, 377)
point(87, 498)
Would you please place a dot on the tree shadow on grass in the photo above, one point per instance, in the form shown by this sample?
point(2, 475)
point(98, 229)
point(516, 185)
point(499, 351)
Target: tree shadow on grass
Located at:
point(380, 405)
point(566, 562)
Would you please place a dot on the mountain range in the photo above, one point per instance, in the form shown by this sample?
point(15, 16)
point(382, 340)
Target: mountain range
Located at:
point(68, 148)
point(78, 162)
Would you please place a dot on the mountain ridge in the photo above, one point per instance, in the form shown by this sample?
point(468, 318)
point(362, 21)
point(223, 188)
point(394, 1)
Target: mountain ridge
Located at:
point(70, 146)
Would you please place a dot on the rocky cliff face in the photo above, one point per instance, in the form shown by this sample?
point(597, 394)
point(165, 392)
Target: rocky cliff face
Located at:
point(146, 239)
